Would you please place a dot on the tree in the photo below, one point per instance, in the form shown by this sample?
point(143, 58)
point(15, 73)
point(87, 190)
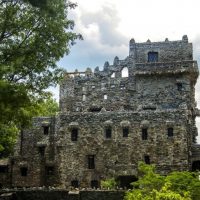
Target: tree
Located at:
point(175, 186)
point(34, 35)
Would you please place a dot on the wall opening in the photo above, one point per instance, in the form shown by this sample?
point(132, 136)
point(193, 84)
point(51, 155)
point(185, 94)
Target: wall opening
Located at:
point(74, 183)
point(170, 132)
point(196, 166)
point(125, 131)
point(94, 184)
point(74, 134)
point(113, 75)
point(144, 134)
point(24, 171)
point(91, 162)
point(105, 96)
point(108, 132)
point(147, 159)
point(3, 169)
point(153, 57)
point(84, 97)
point(125, 181)
point(49, 170)
point(41, 150)
point(46, 130)
point(124, 72)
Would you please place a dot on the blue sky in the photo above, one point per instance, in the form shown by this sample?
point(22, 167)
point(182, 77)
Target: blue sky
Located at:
point(108, 25)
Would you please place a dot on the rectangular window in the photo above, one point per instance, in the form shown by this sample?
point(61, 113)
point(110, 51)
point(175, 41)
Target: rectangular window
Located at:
point(125, 132)
point(179, 86)
point(153, 57)
point(144, 134)
point(108, 132)
point(46, 130)
point(74, 134)
point(170, 132)
point(49, 170)
point(105, 96)
point(147, 159)
point(84, 97)
point(41, 150)
point(24, 171)
point(75, 184)
point(3, 169)
point(91, 163)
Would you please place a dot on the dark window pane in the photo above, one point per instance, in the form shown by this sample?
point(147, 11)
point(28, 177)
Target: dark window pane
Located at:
point(46, 130)
point(153, 57)
point(3, 169)
point(108, 132)
point(147, 159)
point(125, 132)
point(91, 164)
point(49, 170)
point(179, 86)
point(74, 134)
point(75, 184)
point(144, 134)
point(24, 171)
point(94, 184)
point(41, 150)
point(170, 132)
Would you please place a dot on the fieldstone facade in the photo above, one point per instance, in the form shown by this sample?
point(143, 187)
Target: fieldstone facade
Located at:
point(141, 108)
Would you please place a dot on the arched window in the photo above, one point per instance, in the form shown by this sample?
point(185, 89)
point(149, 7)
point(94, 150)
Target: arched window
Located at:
point(124, 72)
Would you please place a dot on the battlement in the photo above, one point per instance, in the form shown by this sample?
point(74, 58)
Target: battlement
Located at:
point(123, 85)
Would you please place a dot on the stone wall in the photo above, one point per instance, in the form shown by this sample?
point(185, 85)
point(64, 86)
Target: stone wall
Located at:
point(62, 195)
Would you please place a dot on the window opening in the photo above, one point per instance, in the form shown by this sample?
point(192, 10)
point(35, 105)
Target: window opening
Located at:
point(24, 171)
point(93, 86)
point(74, 134)
point(170, 132)
point(125, 132)
point(147, 159)
point(91, 163)
point(122, 87)
point(113, 75)
point(50, 170)
point(153, 57)
point(105, 96)
point(94, 184)
point(46, 130)
point(144, 134)
point(179, 86)
point(3, 169)
point(75, 184)
point(84, 97)
point(124, 72)
point(41, 150)
point(108, 132)
point(83, 89)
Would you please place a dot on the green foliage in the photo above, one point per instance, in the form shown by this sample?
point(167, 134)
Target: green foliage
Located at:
point(175, 186)
point(109, 183)
point(34, 35)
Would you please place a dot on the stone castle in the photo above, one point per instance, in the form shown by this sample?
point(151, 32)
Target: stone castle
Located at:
point(141, 108)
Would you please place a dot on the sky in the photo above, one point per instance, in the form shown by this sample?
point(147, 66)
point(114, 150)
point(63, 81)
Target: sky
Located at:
point(108, 25)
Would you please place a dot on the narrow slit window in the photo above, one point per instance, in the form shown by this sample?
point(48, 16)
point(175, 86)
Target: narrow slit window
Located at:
point(46, 130)
point(170, 132)
point(74, 134)
point(84, 97)
point(91, 162)
point(125, 132)
point(108, 132)
point(144, 134)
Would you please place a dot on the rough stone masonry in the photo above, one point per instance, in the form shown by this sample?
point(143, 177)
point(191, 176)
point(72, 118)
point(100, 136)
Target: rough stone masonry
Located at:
point(141, 108)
